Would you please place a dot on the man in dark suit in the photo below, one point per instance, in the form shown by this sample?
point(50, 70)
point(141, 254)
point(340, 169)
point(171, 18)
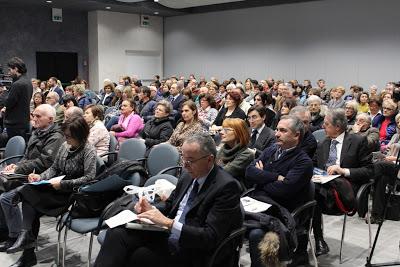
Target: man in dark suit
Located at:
point(196, 215)
point(283, 173)
point(340, 153)
point(55, 88)
point(176, 99)
point(261, 135)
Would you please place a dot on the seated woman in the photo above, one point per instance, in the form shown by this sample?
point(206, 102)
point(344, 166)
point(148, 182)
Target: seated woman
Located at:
point(98, 136)
point(79, 93)
point(337, 98)
point(207, 111)
point(234, 155)
point(287, 106)
point(230, 110)
point(114, 115)
point(76, 159)
point(351, 108)
point(387, 123)
point(129, 124)
point(69, 101)
point(108, 94)
point(159, 129)
point(363, 128)
point(188, 126)
point(385, 173)
point(315, 107)
point(363, 100)
point(266, 100)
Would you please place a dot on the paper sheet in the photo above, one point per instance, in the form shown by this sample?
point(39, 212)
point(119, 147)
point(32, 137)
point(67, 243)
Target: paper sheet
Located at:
point(323, 179)
point(254, 206)
point(121, 218)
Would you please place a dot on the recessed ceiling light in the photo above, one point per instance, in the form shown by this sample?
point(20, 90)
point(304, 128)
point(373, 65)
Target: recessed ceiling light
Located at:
point(156, 13)
point(108, 7)
point(49, 2)
point(155, 0)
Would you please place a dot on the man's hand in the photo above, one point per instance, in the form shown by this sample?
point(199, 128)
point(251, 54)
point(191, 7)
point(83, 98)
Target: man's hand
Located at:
point(10, 168)
point(142, 205)
point(56, 183)
point(33, 177)
point(157, 217)
point(260, 165)
point(335, 169)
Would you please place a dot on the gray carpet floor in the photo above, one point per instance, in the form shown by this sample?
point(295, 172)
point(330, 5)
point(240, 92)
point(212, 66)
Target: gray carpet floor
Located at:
point(355, 248)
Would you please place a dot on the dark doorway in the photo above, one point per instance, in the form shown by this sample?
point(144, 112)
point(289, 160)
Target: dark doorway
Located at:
point(63, 66)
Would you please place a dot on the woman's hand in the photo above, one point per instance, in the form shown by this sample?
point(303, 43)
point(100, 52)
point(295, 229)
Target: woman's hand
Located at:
point(33, 177)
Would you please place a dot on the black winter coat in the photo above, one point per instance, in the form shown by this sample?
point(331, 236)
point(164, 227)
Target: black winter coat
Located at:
point(41, 150)
point(156, 131)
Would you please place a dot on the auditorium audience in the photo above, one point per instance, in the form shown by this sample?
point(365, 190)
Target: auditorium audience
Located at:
point(129, 124)
point(158, 129)
point(188, 126)
point(98, 134)
point(197, 222)
point(76, 159)
point(234, 155)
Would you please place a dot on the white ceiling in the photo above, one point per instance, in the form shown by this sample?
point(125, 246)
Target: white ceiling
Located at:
point(178, 4)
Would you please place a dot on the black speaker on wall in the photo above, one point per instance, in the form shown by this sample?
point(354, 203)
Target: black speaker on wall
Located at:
point(62, 65)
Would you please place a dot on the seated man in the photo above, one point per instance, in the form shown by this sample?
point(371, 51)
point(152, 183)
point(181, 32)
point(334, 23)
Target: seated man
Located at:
point(363, 127)
point(340, 153)
point(53, 99)
point(308, 144)
point(72, 111)
point(196, 214)
point(41, 150)
point(282, 172)
point(261, 135)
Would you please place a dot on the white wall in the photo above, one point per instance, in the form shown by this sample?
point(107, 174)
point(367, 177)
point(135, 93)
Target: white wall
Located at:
point(112, 34)
point(344, 41)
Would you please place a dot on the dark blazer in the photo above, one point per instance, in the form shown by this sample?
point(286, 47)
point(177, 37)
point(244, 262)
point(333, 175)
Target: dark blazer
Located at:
point(237, 113)
point(354, 156)
point(108, 100)
point(177, 103)
point(309, 144)
point(264, 140)
point(206, 222)
point(297, 168)
point(316, 123)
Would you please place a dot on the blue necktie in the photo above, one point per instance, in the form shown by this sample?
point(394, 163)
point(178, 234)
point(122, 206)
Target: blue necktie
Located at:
point(332, 154)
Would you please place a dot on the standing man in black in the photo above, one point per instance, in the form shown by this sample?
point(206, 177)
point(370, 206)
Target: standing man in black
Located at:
point(16, 110)
point(202, 211)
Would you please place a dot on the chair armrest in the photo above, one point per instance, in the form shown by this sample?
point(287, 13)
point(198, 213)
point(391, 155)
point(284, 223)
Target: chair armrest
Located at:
point(10, 158)
point(108, 153)
point(303, 207)
point(362, 190)
point(142, 159)
point(248, 191)
point(169, 169)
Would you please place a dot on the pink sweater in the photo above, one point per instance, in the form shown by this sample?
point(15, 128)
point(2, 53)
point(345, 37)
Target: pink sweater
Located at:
point(132, 124)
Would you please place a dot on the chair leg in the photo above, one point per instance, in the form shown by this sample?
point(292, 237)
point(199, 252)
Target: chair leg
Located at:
point(312, 244)
point(64, 246)
point(342, 240)
point(58, 247)
point(90, 249)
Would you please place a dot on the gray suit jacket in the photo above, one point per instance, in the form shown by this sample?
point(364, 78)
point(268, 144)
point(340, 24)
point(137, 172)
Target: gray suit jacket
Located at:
point(264, 140)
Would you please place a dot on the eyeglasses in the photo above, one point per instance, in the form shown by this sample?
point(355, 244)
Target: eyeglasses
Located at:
point(190, 162)
point(227, 130)
point(390, 109)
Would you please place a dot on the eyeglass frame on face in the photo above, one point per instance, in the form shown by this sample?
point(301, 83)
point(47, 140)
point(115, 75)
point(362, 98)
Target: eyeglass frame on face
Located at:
point(189, 163)
point(225, 130)
point(387, 108)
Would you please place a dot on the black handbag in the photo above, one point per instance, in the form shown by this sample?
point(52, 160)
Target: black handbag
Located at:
point(9, 182)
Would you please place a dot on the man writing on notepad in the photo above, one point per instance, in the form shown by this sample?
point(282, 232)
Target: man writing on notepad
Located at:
point(41, 150)
point(202, 211)
point(340, 153)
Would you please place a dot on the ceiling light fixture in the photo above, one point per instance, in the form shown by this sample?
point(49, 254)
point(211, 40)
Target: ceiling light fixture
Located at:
point(108, 7)
point(155, 0)
point(156, 13)
point(49, 2)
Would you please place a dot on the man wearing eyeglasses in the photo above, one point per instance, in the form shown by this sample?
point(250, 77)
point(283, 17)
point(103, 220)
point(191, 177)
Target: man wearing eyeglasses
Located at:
point(202, 211)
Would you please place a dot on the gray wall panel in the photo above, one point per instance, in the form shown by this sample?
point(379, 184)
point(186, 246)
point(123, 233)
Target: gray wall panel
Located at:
point(343, 41)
